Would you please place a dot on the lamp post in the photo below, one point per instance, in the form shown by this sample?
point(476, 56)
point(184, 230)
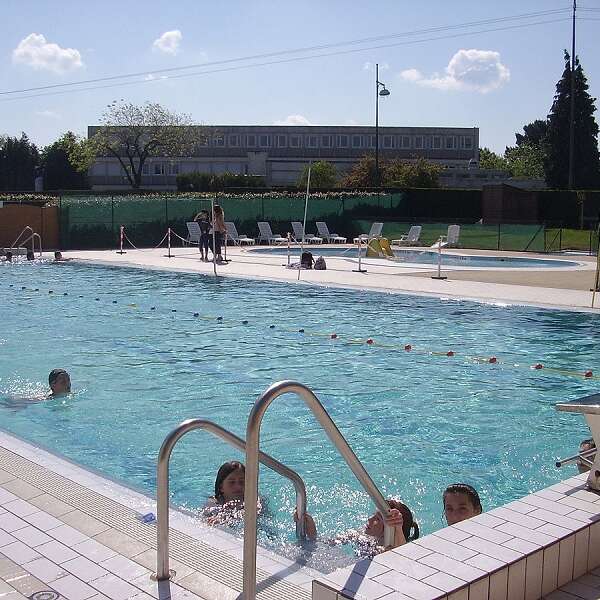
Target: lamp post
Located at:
point(383, 92)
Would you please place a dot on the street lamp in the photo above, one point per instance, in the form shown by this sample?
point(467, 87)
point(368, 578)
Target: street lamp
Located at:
point(383, 92)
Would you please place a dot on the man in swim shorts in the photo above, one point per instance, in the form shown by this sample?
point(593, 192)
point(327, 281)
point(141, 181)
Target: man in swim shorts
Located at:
point(60, 383)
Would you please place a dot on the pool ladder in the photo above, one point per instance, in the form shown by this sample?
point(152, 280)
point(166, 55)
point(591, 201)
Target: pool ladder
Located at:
point(32, 237)
point(254, 455)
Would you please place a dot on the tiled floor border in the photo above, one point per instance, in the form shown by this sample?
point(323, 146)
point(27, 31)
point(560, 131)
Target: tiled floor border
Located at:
point(218, 559)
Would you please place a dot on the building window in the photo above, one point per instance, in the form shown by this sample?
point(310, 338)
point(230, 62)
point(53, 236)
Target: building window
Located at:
point(419, 142)
point(146, 169)
point(437, 142)
point(218, 140)
point(251, 141)
point(281, 141)
point(294, 141)
point(173, 169)
point(326, 141)
point(159, 169)
point(265, 141)
point(388, 141)
point(312, 141)
point(356, 141)
point(467, 142)
point(234, 141)
point(450, 142)
point(405, 141)
point(342, 141)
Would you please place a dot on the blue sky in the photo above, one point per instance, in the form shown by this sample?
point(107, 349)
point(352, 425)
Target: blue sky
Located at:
point(497, 81)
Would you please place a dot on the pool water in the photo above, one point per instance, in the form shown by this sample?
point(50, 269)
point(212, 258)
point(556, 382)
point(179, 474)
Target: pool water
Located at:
point(428, 257)
point(418, 421)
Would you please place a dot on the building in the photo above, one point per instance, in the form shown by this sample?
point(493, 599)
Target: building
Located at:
point(279, 153)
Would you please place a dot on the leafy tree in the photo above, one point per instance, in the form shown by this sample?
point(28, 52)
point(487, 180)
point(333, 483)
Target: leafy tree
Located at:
point(586, 168)
point(490, 160)
point(18, 159)
point(416, 174)
point(362, 174)
point(59, 172)
point(322, 175)
point(526, 160)
point(534, 133)
point(132, 134)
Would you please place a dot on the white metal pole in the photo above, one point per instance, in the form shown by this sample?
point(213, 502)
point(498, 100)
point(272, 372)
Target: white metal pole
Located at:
point(359, 246)
point(169, 241)
point(596, 278)
point(121, 229)
point(289, 249)
point(304, 223)
point(439, 264)
point(212, 210)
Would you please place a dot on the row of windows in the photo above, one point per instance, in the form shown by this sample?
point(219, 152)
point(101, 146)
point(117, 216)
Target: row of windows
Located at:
point(400, 142)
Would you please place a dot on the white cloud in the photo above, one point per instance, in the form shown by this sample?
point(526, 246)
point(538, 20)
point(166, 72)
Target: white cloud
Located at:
point(168, 42)
point(369, 66)
point(294, 120)
point(47, 114)
point(468, 70)
point(34, 51)
point(152, 77)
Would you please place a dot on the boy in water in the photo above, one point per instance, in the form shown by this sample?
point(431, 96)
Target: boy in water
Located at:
point(60, 383)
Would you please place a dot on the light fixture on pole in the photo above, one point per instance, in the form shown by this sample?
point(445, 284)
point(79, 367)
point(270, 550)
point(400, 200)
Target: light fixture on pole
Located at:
point(383, 92)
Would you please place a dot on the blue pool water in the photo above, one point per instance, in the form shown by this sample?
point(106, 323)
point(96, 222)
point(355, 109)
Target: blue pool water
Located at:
point(430, 257)
point(418, 421)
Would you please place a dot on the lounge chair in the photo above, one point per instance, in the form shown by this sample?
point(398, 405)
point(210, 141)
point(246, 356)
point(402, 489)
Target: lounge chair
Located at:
point(193, 233)
point(235, 237)
point(331, 238)
point(409, 239)
point(300, 235)
point(375, 232)
point(451, 239)
point(266, 235)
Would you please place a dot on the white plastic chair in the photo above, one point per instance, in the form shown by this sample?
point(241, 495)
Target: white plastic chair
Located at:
point(375, 232)
point(332, 238)
point(267, 235)
point(409, 239)
point(299, 234)
point(235, 237)
point(451, 239)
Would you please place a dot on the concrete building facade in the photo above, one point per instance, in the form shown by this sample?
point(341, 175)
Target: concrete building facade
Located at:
point(279, 153)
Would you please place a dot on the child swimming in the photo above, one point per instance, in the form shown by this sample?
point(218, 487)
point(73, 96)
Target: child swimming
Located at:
point(461, 501)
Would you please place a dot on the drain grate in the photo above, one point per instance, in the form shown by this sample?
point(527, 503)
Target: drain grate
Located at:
point(45, 595)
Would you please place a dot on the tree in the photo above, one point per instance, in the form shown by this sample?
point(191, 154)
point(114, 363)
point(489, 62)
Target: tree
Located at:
point(132, 134)
point(322, 175)
point(490, 160)
point(526, 160)
point(416, 174)
point(59, 171)
point(534, 133)
point(586, 168)
point(18, 160)
point(362, 174)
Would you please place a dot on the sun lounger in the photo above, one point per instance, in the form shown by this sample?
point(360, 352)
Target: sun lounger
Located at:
point(451, 239)
point(300, 235)
point(235, 237)
point(193, 233)
point(409, 239)
point(330, 238)
point(266, 235)
point(375, 232)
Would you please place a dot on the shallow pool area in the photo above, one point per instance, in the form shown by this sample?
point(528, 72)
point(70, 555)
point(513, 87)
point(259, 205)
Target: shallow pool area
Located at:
point(141, 362)
point(426, 257)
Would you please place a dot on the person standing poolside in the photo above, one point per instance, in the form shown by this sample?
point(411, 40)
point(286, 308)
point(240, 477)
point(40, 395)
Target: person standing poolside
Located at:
point(461, 501)
point(204, 223)
point(219, 229)
point(60, 383)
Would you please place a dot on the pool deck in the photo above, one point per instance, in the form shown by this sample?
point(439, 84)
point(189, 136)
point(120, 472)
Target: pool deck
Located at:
point(566, 287)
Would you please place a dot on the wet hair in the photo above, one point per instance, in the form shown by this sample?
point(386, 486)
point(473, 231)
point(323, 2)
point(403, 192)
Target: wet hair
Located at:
point(410, 527)
point(218, 210)
point(224, 471)
point(54, 374)
point(467, 490)
point(307, 260)
point(57, 255)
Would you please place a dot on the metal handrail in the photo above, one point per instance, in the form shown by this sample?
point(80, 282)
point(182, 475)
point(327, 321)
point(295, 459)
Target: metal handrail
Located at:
point(162, 492)
point(19, 236)
point(252, 454)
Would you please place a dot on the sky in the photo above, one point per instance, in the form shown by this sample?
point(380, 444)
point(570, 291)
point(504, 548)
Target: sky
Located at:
point(495, 80)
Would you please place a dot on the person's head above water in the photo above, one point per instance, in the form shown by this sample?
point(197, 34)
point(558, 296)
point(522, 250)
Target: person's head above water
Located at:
point(58, 255)
point(461, 501)
point(229, 484)
point(410, 529)
point(30, 255)
point(59, 381)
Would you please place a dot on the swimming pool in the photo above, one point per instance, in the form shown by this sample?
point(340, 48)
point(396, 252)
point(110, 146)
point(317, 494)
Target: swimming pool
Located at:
point(418, 421)
point(429, 257)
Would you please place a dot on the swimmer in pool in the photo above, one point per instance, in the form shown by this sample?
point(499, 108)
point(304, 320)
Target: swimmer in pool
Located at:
point(58, 257)
point(461, 501)
point(60, 383)
point(368, 541)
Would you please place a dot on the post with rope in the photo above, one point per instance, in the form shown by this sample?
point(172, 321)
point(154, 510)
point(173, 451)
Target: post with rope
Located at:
point(289, 247)
point(169, 242)
point(439, 262)
point(121, 230)
point(597, 276)
point(304, 223)
point(359, 247)
point(214, 236)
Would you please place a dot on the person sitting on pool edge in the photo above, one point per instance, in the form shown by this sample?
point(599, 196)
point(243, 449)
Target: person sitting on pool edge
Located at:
point(461, 501)
point(60, 383)
point(369, 540)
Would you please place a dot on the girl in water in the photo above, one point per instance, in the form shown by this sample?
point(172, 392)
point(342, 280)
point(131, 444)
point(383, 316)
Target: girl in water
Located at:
point(461, 501)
